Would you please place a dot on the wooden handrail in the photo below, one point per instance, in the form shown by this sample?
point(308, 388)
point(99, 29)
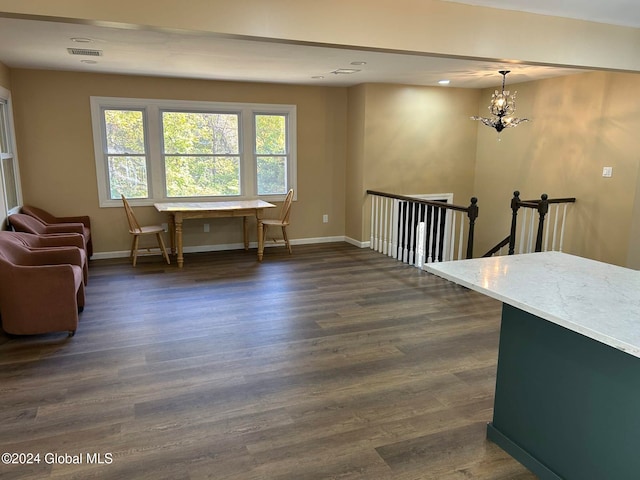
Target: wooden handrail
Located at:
point(435, 245)
point(551, 200)
point(433, 203)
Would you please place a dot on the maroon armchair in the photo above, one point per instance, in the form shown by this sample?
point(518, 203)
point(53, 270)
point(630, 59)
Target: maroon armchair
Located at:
point(53, 241)
point(41, 290)
point(21, 222)
point(48, 219)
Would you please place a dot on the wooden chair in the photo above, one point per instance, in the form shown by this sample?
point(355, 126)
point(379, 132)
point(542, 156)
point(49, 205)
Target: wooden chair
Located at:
point(282, 221)
point(136, 230)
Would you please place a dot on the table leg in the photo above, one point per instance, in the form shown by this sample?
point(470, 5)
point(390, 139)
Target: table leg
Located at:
point(260, 239)
point(178, 222)
point(172, 233)
point(245, 232)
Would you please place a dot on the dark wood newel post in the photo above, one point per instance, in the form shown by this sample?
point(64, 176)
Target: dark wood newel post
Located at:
point(472, 213)
point(543, 208)
point(515, 205)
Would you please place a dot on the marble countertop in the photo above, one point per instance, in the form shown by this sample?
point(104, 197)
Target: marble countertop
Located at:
point(595, 299)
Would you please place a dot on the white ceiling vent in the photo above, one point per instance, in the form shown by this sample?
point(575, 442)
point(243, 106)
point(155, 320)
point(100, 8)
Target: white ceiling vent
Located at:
point(85, 51)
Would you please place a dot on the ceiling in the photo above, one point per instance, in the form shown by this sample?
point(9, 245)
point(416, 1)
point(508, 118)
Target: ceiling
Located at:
point(614, 12)
point(26, 43)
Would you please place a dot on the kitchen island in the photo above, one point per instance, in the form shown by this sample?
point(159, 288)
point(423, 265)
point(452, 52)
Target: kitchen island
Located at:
point(567, 399)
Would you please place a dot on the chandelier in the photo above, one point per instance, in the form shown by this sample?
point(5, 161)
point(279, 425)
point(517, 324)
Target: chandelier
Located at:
point(502, 107)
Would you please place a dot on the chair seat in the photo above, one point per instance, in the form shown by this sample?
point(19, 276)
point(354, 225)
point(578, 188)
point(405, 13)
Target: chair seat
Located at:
point(148, 229)
point(274, 222)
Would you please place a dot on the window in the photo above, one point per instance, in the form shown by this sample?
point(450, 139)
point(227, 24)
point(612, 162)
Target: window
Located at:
point(9, 175)
point(271, 153)
point(154, 150)
point(201, 154)
point(126, 153)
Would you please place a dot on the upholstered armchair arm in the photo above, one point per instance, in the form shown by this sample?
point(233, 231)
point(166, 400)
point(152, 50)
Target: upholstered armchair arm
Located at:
point(61, 240)
point(84, 219)
point(65, 228)
point(55, 256)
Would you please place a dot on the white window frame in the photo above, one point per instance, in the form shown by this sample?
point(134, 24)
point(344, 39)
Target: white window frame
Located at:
point(5, 96)
point(152, 111)
point(289, 164)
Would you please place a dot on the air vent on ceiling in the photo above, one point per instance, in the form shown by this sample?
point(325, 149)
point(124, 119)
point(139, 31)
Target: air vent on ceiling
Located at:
point(85, 51)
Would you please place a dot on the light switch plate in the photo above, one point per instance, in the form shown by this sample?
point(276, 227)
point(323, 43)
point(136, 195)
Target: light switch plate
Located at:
point(607, 171)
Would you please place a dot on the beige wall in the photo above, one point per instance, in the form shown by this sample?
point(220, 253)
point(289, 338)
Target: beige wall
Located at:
point(413, 140)
point(580, 124)
point(5, 81)
point(57, 165)
point(425, 26)
point(633, 257)
point(356, 191)
point(394, 138)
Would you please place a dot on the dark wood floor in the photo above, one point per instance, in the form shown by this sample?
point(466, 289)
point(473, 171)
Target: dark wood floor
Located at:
point(332, 363)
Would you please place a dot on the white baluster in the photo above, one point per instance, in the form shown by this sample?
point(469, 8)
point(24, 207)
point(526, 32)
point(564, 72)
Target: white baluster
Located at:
point(373, 228)
point(412, 232)
point(383, 226)
point(555, 227)
point(546, 233)
point(523, 229)
point(452, 242)
point(437, 229)
point(429, 247)
point(405, 253)
point(564, 218)
point(394, 232)
point(420, 253)
point(531, 230)
point(461, 237)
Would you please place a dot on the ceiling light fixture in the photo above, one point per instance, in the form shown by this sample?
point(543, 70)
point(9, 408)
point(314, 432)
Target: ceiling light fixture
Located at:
point(358, 63)
point(444, 82)
point(345, 71)
point(81, 40)
point(502, 107)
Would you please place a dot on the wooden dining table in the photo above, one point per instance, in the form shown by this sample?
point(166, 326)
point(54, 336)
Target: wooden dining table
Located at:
point(180, 211)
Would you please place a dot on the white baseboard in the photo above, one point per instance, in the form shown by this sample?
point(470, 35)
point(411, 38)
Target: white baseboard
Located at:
point(240, 246)
point(357, 243)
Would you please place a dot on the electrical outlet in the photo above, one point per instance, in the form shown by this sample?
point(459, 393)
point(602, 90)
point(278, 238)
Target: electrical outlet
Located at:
point(325, 218)
point(165, 227)
point(206, 228)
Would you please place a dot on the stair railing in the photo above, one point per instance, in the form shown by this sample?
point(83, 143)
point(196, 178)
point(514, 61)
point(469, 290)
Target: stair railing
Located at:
point(418, 231)
point(549, 238)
